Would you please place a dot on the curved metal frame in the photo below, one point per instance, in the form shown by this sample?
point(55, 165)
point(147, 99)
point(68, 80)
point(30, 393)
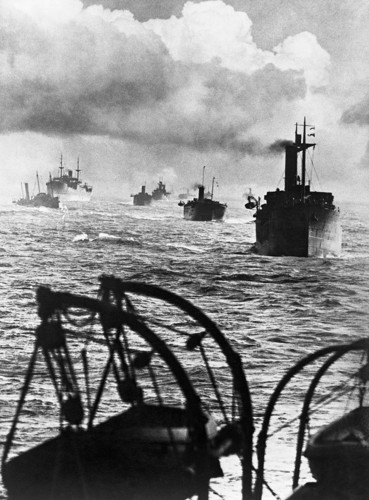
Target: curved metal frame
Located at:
point(337, 352)
point(305, 411)
point(112, 317)
point(233, 359)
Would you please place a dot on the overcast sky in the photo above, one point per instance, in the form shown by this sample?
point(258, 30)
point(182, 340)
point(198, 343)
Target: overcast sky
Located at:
point(142, 89)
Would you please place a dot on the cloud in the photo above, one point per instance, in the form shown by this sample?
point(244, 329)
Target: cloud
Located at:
point(144, 9)
point(71, 77)
point(166, 96)
point(213, 30)
point(358, 113)
point(210, 30)
point(198, 80)
point(303, 52)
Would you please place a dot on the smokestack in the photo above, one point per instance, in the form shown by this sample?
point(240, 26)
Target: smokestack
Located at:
point(201, 192)
point(27, 190)
point(143, 189)
point(290, 168)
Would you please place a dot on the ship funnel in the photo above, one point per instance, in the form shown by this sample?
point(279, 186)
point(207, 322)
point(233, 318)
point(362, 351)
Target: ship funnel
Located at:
point(290, 168)
point(27, 190)
point(143, 189)
point(201, 192)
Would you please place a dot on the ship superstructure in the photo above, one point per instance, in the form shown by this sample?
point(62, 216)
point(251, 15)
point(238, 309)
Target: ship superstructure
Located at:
point(68, 186)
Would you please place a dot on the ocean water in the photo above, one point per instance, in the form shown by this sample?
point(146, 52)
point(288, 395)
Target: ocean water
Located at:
point(273, 311)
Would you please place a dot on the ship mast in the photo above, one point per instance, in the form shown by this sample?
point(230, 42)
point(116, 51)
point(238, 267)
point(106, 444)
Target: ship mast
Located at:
point(51, 185)
point(212, 188)
point(38, 182)
point(61, 165)
point(203, 175)
point(78, 169)
point(303, 165)
point(303, 146)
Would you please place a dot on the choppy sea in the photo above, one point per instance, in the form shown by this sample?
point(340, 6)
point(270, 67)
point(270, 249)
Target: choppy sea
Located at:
point(273, 310)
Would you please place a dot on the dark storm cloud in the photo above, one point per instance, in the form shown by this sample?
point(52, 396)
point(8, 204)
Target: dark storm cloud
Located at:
point(161, 83)
point(69, 83)
point(129, 87)
point(234, 102)
point(103, 73)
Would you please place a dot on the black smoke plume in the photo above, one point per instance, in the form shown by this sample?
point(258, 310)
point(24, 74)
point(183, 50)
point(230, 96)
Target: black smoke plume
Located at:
point(278, 146)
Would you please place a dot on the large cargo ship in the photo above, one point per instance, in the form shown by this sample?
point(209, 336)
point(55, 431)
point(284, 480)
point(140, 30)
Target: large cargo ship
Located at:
point(39, 200)
point(67, 186)
point(297, 221)
point(142, 198)
point(160, 193)
point(203, 208)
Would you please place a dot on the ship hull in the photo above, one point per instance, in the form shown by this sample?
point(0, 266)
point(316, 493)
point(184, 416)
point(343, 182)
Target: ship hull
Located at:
point(70, 190)
point(159, 197)
point(141, 201)
point(204, 211)
point(66, 193)
point(40, 200)
point(300, 231)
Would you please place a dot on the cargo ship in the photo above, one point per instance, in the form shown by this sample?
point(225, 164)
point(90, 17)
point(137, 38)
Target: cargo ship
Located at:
point(297, 221)
point(203, 208)
point(67, 186)
point(142, 198)
point(39, 200)
point(160, 193)
point(184, 196)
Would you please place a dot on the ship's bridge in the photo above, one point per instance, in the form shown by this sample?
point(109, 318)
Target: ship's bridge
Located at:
point(311, 197)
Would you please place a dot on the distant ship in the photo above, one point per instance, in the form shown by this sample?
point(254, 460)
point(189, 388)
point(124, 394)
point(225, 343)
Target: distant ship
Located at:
point(160, 193)
point(297, 221)
point(202, 208)
point(142, 198)
point(184, 196)
point(68, 187)
point(39, 200)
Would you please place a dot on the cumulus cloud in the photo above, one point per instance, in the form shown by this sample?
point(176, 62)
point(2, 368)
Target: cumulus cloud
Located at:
point(212, 30)
point(197, 81)
point(303, 52)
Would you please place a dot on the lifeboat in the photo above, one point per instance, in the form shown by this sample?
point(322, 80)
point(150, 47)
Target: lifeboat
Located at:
point(338, 454)
point(146, 451)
